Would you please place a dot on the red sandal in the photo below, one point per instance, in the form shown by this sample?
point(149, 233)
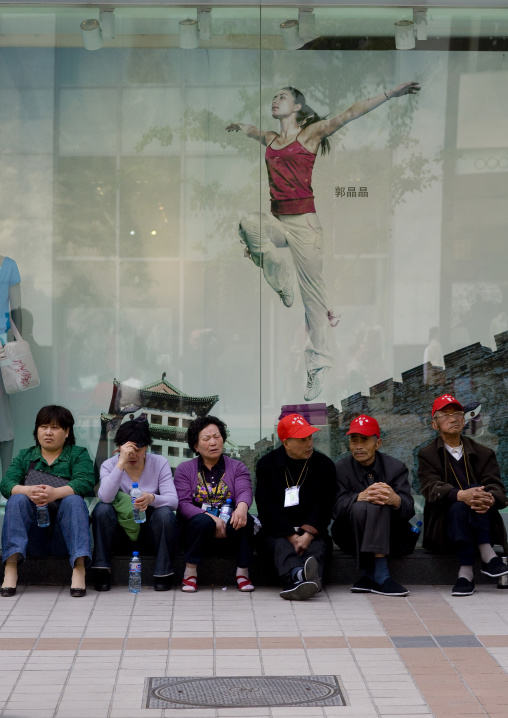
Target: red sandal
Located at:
point(244, 584)
point(189, 584)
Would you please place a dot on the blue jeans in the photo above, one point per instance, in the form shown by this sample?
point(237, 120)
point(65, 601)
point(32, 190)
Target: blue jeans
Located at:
point(68, 535)
point(157, 534)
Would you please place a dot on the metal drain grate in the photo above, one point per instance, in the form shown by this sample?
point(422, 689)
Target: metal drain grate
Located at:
point(242, 692)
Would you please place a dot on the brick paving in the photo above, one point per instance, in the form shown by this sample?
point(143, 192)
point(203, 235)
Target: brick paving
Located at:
point(425, 655)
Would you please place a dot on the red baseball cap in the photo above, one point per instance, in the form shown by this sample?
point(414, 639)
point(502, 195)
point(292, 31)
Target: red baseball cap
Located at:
point(294, 426)
point(365, 425)
point(445, 400)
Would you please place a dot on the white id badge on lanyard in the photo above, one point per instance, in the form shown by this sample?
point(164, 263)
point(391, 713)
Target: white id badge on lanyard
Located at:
point(292, 496)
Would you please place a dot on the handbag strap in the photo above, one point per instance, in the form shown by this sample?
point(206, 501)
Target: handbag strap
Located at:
point(14, 328)
point(30, 467)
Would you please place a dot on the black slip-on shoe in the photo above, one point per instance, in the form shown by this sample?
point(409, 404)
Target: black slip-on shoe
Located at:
point(463, 587)
point(8, 592)
point(363, 585)
point(495, 568)
point(162, 583)
point(77, 592)
point(389, 588)
point(102, 579)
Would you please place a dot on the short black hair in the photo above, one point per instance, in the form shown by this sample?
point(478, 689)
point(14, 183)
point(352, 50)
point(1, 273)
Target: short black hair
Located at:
point(54, 414)
point(136, 430)
point(196, 426)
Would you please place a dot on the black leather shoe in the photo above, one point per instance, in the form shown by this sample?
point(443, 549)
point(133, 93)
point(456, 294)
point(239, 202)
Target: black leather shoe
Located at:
point(162, 583)
point(78, 592)
point(102, 579)
point(8, 592)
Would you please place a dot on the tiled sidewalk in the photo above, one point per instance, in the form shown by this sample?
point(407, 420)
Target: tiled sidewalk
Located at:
point(425, 655)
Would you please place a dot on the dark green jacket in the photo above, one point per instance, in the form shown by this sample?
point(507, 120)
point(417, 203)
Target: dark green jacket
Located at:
point(74, 463)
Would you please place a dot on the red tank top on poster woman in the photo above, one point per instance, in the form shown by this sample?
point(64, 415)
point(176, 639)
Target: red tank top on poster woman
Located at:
point(289, 176)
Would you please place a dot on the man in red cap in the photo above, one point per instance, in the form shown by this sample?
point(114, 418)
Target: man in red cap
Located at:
point(294, 494)
point(461, 483)
point(372, 509)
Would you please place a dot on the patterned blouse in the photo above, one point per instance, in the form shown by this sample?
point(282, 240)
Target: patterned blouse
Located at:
point(211, 488)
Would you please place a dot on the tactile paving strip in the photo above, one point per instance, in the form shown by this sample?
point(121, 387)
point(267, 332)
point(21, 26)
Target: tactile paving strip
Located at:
point(243, 692)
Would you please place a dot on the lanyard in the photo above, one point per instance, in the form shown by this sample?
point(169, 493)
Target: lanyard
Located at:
point(286, 470)
point(465, 464)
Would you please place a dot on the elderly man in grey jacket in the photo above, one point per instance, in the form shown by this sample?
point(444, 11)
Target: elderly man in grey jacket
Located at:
point(373, 506)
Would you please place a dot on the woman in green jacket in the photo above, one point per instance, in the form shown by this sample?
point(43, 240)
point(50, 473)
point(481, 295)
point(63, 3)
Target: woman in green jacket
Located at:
point(55, 452)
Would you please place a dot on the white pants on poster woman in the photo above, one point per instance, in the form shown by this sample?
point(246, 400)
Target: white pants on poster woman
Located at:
point(265, 235)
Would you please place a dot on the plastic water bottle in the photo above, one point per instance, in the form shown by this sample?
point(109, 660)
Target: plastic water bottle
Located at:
point(417, 528)
point(502, 581)
point(43, 516)
point(135, 573)
point(226, 510)
point(139, 516)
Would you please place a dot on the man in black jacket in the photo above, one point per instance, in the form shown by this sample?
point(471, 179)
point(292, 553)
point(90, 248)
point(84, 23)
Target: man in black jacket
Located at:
point(373, 505)
point(461, 483)
point(294, 494)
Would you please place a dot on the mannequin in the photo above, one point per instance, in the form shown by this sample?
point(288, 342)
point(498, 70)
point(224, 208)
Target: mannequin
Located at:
point(10, 300)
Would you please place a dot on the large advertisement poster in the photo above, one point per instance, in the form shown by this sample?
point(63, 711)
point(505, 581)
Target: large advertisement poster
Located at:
point(254, 228)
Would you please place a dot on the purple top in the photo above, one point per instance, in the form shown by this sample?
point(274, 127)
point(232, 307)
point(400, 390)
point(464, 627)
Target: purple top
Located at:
point(156, 479)
point(236, 477)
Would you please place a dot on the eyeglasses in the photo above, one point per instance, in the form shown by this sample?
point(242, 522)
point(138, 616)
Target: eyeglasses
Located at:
point(450, 415)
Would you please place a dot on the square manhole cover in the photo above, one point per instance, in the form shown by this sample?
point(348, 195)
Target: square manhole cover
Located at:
point(242, 692)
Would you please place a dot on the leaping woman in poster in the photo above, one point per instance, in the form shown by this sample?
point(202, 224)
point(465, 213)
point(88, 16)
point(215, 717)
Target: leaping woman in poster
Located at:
point(293, 222)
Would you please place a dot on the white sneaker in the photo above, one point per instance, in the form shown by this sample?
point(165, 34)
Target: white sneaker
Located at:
point(287, 295)
point(315, 381)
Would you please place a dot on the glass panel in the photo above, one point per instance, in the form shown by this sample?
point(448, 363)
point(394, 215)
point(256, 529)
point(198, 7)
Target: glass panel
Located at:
point(123, 194)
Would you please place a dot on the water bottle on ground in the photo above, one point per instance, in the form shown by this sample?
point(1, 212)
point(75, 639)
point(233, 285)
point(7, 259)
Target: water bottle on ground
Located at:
point(226, 510)
point(43, 516)
point(135, 573)
point(416, 532)
point(139, 516)
point(417, 528)
point(502, 581)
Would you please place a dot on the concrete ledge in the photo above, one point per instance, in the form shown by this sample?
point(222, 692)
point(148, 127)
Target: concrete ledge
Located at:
point(418, 568)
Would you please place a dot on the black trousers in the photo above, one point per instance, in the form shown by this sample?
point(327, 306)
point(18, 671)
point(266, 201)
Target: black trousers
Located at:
point(286, 559)
point(200, 539)
point(467, 529)
point(157, 536)
point(369, 529)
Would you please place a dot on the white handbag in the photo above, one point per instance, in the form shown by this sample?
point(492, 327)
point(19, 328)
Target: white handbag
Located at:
point(19, 372)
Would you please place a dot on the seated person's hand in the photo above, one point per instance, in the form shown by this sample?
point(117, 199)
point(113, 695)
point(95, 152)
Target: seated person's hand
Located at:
point(381, 494)
point(127, 452)
point(477, 498)
point(144, 500)
point(300, 543)
point(220, 526)
point(37, 494)
point(239, 516)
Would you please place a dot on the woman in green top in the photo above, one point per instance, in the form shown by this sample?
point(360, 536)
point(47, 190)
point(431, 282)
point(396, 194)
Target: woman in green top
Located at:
point(54, 453)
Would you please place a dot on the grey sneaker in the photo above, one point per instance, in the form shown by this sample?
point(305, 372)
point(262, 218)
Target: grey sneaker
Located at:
point(315, 381)
point(287, 295)
point(299, 591)
point(311, 571)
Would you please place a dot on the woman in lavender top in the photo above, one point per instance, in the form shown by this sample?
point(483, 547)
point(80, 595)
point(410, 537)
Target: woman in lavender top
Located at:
point(131, 463)
point(203, 485)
